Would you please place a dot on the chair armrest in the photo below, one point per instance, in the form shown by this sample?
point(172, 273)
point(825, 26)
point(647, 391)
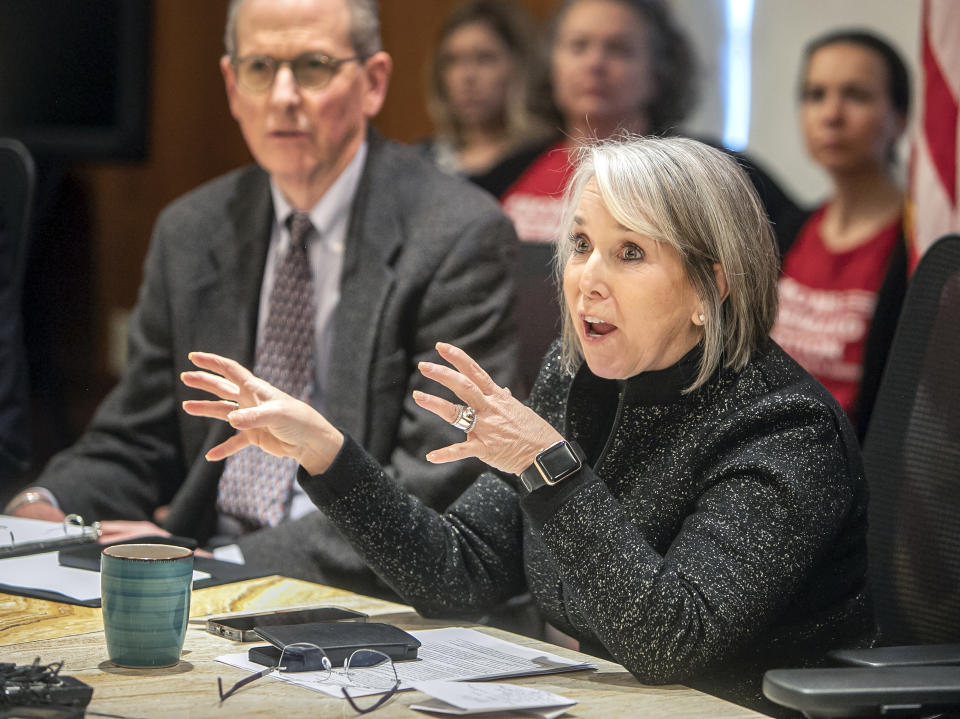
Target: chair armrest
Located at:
point(919, 655)
point(856, 691)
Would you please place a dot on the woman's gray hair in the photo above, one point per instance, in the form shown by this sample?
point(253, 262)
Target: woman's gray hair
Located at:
point(699, 201)
point(364, 27)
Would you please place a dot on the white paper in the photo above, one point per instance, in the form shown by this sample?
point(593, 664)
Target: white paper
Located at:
point(311, 680)
point(43, 571)
point(463, 698)
point(453, 654)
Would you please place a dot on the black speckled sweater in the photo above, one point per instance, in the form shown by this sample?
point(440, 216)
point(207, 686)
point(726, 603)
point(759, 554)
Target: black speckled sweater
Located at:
point(710, 536)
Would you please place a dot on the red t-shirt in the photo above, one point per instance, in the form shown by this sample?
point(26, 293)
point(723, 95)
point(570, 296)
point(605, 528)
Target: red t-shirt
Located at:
point(826, 305)
point(535, 200)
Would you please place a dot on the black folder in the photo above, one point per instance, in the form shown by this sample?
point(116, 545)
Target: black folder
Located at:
point(340, 639)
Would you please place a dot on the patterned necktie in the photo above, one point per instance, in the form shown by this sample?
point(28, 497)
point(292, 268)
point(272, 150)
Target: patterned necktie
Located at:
point(255, 485)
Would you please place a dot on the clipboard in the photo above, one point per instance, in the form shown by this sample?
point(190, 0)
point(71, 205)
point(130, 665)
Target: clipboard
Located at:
point(20, 536)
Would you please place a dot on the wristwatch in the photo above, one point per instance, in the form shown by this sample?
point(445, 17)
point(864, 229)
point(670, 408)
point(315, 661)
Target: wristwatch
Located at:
point(552, 465)
point(29, 496)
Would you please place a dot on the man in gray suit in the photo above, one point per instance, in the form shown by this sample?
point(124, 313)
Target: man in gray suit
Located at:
point(400, 257)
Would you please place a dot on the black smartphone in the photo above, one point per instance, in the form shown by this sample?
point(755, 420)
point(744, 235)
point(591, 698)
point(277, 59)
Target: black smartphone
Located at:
point(241, 628)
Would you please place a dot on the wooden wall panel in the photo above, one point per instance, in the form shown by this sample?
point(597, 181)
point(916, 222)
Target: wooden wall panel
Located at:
point(192, 138)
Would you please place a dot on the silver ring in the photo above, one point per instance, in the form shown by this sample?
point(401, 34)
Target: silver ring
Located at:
point(466, 418)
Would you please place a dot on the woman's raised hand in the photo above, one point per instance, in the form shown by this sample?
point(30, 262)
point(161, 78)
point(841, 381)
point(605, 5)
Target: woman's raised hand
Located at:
point(263, 415)
point(507, 434)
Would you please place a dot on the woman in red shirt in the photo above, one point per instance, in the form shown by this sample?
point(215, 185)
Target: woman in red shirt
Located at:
point(844, 275)
point(615, 65)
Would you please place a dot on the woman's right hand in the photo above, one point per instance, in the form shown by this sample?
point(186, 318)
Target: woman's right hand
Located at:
point(264, 416)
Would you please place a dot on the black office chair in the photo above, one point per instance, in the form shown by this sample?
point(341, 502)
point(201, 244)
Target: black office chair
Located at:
point(17, 179)
point(912, 464)
point(537, 307)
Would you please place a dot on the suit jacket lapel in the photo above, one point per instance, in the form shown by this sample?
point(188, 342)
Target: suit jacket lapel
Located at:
point(229, 282)
point(228, 288)
point(373, 239)
point(253, 220)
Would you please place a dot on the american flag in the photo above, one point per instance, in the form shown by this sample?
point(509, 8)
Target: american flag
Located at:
point(935, 158)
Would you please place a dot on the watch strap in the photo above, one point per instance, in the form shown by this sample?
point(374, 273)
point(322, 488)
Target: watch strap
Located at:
point(530, 478)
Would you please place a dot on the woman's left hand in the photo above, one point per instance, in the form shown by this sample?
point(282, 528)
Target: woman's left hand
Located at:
point(265, 416)
point(507, 435)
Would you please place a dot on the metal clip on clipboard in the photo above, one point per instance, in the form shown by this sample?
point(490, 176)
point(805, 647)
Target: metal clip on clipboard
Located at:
point(19, 536)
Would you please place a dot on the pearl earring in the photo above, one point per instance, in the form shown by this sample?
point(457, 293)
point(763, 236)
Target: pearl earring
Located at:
point(701, 317)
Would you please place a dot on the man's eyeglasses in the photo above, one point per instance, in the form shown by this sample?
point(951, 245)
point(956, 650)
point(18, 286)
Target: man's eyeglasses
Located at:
point(364, 670)
point(312, 70)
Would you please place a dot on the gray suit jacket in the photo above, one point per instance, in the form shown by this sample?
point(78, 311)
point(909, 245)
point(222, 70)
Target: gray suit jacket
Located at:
point(427, 259)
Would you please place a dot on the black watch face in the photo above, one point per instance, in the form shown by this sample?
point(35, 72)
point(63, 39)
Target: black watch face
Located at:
point(558, 462)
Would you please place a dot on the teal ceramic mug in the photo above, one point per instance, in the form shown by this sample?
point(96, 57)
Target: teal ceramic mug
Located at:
point(145, 591)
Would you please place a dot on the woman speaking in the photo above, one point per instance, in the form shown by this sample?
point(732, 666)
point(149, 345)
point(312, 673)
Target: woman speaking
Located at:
point(679, 494)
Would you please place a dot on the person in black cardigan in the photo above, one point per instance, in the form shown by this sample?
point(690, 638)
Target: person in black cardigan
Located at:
point(678, 494)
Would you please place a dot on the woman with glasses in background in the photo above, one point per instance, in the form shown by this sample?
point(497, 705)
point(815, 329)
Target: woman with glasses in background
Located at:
point(678, 494)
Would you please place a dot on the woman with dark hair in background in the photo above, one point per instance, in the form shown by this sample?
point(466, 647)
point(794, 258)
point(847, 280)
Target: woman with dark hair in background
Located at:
point(485, 70)
point(844, 276)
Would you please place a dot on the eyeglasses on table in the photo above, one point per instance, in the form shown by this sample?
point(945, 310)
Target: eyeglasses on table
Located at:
point(366, 668)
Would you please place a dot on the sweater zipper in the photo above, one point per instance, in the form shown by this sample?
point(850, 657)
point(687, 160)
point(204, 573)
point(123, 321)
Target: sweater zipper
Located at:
point(613, 427)
point(613, 430)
